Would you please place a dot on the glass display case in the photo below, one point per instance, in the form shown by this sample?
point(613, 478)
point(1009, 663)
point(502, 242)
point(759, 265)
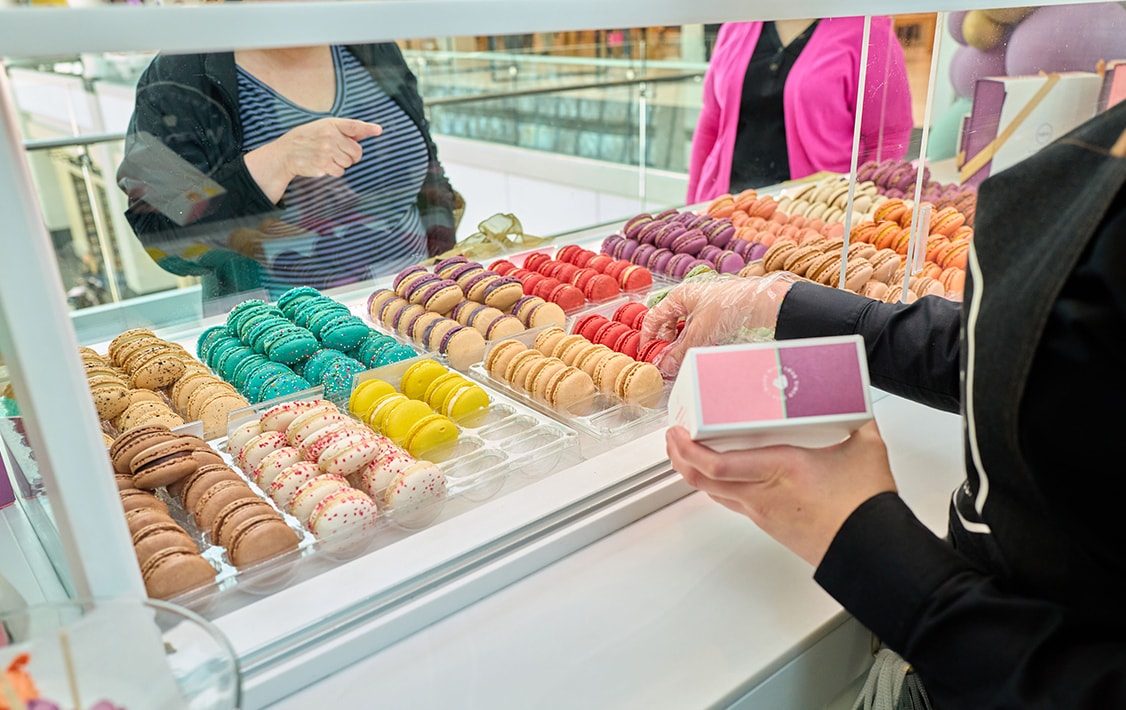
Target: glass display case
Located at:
point(141, 252)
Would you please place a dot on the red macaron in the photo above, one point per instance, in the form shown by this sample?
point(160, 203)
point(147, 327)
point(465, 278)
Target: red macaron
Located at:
point(600, 262)
point(601, 287)
point(632, 314)
point(588, 325)
point(652, 349)
point(565, 296)
point(628, 343)
point(635, 278)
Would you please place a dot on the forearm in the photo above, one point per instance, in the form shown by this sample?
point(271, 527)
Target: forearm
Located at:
point(913, 350)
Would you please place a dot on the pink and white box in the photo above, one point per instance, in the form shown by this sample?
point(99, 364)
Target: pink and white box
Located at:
point(810, 392)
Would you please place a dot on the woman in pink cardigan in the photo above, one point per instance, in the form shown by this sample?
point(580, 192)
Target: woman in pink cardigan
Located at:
point(780, 103)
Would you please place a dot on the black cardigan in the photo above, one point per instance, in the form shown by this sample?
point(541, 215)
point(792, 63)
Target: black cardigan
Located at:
point(190, 104)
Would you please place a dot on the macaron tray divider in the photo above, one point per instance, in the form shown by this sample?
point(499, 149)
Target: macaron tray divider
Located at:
point(504, 437)
point(607, 417)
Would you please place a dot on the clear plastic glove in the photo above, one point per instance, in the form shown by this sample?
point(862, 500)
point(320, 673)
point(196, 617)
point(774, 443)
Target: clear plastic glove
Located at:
point(800, 497)
point(716, 310)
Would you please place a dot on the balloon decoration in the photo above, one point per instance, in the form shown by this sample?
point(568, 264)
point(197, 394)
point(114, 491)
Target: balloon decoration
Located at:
point(1029, 40)
point(1019, 41)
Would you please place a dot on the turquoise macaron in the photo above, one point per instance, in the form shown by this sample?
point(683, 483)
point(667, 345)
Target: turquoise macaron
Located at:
point(259, 377)
point(339, 377)
point(290, 344)
point(344, 332)
point(289, 300)
point(208, 338)
point(282, 385)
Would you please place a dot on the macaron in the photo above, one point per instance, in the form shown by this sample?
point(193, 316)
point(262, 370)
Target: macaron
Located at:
point(130, 443)
point(464, 400)
point(378, 474)
point(600, 287)
point(429, 433)
point(398, 420)
point(260, 538)
point(572, 391)
point(500, 354)
point(413, 498)
point(274, 464)
point(284, 486)
point(279, 416)
point(174, 570)
point(441, 296)
point(566, 297)
point(606, 371)
point(546, 340)
point(503, 292)
point(343, 516)
point(640, 383)
point(164, 463)
point(462, 347)
point(194, 486)
point(157, 536)
point(631, 313)
point(234, 513)
point(216, 497)
point(312, 492)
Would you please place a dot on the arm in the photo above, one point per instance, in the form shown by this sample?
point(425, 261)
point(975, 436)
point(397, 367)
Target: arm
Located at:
point(192, 127)
point(704, 137)
point(887, 122)
point(913, 350)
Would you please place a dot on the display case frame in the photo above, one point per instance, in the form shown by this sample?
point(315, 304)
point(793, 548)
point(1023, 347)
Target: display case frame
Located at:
point(520, 533)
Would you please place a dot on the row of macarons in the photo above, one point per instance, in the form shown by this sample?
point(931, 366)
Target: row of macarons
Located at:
point(223, 509)
point(332, 472)
point(187, 391)
point(453, 280)
point(620, 331)
point(569, 373)
point(598, 277)
point(896, 178)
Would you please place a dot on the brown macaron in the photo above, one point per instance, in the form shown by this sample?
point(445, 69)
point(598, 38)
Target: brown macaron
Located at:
point(132, 442)
point(163, 463)
point(215, 498)
point(192, 488)
point(259, 538)
point(155, 537)
point(134, 498)
point(140, 518)
point(175, 570)
point(234, 513)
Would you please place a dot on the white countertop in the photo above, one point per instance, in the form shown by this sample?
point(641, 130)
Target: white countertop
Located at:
point(691, 606)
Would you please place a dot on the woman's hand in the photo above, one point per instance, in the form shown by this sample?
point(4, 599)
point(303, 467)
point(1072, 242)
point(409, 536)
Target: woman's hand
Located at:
point(327, 146)
point(716, 310)
point(798, 496)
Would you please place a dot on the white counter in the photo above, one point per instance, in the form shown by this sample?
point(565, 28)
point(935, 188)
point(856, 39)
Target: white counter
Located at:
point(691, 606)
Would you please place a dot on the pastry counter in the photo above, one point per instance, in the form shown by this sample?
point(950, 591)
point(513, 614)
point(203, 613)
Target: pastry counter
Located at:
point(690, 606)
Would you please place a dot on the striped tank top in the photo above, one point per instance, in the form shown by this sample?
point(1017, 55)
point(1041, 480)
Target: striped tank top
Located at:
point(335, 231)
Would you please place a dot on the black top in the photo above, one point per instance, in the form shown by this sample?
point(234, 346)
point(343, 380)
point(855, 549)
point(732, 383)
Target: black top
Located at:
point(760, 157)
point(1022, 607)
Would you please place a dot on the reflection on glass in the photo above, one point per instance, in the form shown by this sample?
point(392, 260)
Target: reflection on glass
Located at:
point(1018, 78)
point(780, 102)
point(267, 169)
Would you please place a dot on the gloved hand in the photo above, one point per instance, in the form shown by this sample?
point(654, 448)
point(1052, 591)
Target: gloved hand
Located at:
point(717, 310)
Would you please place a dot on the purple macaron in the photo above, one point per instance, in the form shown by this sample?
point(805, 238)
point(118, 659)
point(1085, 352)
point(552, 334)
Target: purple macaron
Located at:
point(691, 242)
point(756, 251)
point(728, 262)
point(709, 253)
point(628, 247)
point(648, 232)
point(610, 243)
point(634, 224)
point(641, 256)
point(668, 234)
point(659, 261)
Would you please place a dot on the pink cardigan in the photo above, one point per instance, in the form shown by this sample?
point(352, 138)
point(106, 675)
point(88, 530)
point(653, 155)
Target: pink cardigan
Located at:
point(819, 102)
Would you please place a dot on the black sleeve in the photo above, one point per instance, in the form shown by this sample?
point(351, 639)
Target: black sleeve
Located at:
point(179, 141)
point(913, 349)
point(924, 600)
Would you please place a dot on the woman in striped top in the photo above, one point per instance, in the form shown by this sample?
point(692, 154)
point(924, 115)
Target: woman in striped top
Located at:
point(321, 156)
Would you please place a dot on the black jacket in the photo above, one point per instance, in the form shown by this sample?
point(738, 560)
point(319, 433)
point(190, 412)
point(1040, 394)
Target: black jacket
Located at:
point(190, 104)
point(1023, 606)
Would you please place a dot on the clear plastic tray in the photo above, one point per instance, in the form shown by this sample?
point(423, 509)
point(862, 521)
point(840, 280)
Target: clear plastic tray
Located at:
point(502, 441)
point(504, 438)
point(611, 418)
